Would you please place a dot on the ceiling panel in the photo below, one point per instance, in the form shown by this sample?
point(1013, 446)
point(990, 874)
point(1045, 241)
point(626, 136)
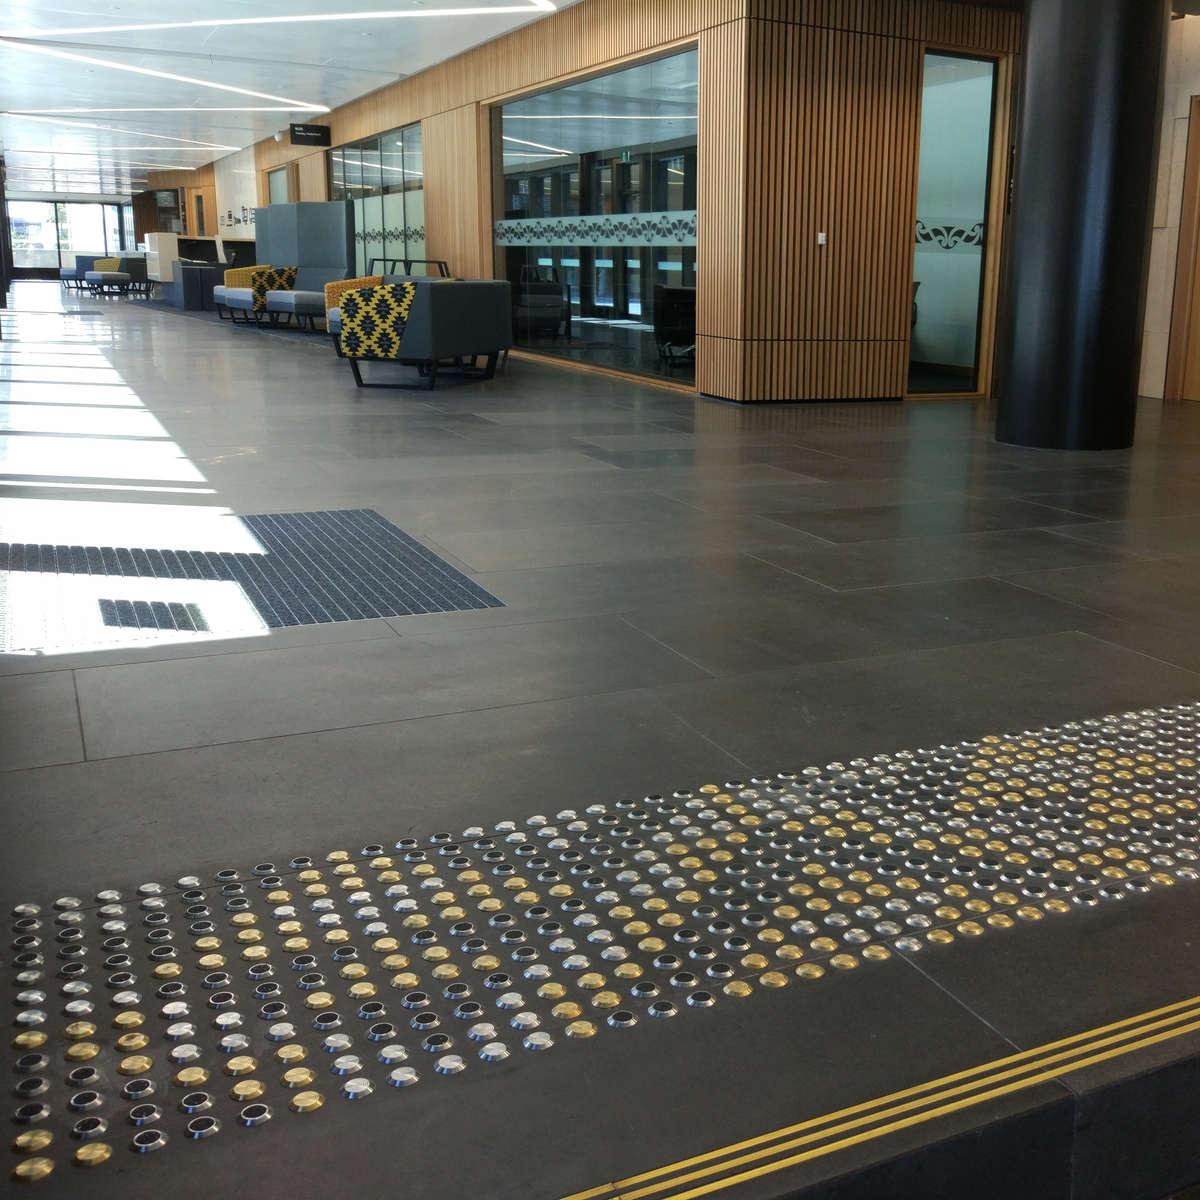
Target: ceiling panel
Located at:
point(80, 82)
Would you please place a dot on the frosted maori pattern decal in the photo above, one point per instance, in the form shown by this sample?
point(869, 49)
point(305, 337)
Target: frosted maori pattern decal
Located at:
point(949, 235)
point(623, 229)
point(415, 233)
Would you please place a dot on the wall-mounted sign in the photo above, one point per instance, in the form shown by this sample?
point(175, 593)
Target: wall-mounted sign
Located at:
point(310, 135)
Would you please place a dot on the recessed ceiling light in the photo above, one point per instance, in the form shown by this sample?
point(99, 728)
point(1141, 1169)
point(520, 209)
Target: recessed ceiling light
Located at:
point(303, 105)
point(532, 6)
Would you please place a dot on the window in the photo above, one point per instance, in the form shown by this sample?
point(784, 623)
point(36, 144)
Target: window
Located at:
point(34, 229)
point(48, 234)
point(277, 186)
point(385, 178)
point(598, 218)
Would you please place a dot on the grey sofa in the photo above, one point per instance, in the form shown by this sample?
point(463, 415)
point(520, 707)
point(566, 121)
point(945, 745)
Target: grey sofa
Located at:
point(129, 276)
point(315, 239)
point(72, 277)
point(306, 300)
point(448, 322)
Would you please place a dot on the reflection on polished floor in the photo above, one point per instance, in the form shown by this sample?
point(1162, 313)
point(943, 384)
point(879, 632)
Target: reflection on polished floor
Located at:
point(689, 593)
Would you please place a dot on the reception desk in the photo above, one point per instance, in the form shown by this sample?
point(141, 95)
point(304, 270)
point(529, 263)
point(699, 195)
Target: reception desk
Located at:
point(164, 250)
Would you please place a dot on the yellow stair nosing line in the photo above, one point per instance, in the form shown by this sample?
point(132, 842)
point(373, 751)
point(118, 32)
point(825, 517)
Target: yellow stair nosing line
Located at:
point(989, 1069)
point(917, 1119)
point(1061, 1062)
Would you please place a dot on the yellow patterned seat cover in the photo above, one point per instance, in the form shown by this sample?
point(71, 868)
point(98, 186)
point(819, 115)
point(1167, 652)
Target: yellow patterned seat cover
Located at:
point(106, 264)
point(373, 320)
point(270, 279)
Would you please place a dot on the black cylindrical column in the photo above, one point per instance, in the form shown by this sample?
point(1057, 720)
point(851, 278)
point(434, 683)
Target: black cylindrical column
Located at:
point(1080, 226)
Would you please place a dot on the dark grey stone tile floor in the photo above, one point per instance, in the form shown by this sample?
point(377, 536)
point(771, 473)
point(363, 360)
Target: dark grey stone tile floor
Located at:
point(691, 589)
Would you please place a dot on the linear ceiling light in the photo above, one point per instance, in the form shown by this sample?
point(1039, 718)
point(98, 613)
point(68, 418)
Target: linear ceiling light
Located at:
point(184, 108)
point(115, 66)
point(532, 6)
point(106, 149)
point(116, 129)
point(537, 145)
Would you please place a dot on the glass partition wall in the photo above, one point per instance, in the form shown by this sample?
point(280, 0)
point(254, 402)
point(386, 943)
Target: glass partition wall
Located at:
point(46, 234)
point(597, 228)
point(952, 223)
point(385, 177)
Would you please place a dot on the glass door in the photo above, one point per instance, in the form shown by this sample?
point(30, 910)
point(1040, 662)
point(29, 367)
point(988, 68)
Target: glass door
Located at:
point(957, 104)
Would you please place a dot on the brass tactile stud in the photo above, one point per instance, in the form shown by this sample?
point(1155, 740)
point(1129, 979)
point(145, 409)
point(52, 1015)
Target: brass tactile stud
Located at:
point(30, 1170)
point(92, 1154)
point(31, 1141)
point(306, 1102)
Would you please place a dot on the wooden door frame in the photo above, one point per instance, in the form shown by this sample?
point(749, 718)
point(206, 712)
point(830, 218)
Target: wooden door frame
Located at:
point(1186, 261)
point(989, 291)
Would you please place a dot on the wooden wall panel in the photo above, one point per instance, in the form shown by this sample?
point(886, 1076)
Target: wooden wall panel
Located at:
point(200, 177)
point(937, 21)
point(833, 146)
point(455, 190)
point(145, 215)
point(312, 176)
point(721, 182)
point(721, 366)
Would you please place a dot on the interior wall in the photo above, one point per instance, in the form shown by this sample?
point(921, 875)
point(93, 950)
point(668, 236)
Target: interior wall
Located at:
point(832, 141)
point(809, 119)
point(455, 165)
point(200, 182)
point(236, 188)
point(1182, 82)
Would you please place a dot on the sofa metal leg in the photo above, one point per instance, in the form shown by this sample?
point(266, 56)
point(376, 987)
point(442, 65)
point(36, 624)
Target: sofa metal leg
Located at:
point(490, 370)
point(431, 372)
point(337, 345)
point(358, 379)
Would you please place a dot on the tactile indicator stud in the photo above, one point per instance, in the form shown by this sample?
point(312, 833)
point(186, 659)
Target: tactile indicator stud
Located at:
point(92, 1154)
point(30, 1170)
point(306, 1102)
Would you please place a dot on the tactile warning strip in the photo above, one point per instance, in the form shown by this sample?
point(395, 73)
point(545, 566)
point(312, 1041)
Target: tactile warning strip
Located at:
point(156, 1013)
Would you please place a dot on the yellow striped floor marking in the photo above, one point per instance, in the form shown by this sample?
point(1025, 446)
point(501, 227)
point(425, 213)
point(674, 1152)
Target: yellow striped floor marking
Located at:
point(903, 1109)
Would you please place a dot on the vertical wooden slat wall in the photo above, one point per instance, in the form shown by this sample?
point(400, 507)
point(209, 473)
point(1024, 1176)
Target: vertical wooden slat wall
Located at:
point(808, 123)
point(834, 109)
point(721, 202)
point(312, 175)
point(454, 164)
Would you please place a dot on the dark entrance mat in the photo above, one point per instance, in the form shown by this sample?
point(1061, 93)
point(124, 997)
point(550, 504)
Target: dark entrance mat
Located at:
point(317, 567)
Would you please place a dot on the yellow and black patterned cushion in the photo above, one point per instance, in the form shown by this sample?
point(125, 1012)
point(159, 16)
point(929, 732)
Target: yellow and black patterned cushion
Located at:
point(270, 279)
point(240, 277)
point(106, 264)
point(373, 320)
